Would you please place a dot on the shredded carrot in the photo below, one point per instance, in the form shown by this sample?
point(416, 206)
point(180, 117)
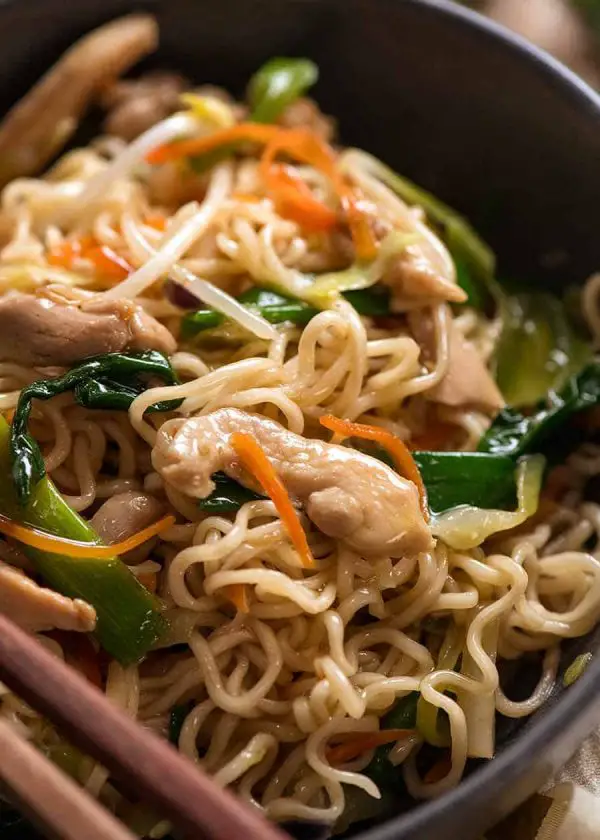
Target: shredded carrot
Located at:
point(246, 198)
point(254, 132)
point(306, 147)
point(360, 742)
point(237, 593)
point(106, 261)
point(258, 465)
point(156, 221)
point(405, 463)
point(54, 544)
point(438, 771)
point(294, 200)
point(300, 144)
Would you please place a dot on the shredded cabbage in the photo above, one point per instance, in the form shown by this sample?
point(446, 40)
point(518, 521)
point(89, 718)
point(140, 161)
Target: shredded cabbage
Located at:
point(466, 527)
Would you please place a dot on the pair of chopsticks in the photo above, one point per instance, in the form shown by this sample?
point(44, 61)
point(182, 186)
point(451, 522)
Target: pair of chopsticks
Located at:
point(145, 766)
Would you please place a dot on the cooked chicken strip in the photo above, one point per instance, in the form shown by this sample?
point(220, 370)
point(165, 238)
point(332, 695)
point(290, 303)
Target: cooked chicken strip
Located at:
point(411, 275)
point(40, 331)
point(348, 495)
point(37, 609)
point(40, 124)
point(467, 380)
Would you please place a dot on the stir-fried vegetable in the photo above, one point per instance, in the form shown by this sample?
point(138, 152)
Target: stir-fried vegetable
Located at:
point(475, 262)
point(106, 261)
point(355, 744)
point(466, 526)
point(277, 84)
point(403, 716)
point(255, 462)
point(56, 544)
point(537, 333)
point(111, 381)
point(129, 617)
point(450, 478)
point(228, 496)
point(299, 144)
point(432, 725)
point(576, 668)
point(278, 309)
point(544, 429)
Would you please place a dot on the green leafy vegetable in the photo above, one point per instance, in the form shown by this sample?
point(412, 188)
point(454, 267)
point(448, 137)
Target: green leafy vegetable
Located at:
point(467, 526)
point(543, 430)
point(403, 715)
point(465, 478)
point(451, 479)
point(576, 668)
point(538, 350)
point(228, 496)
point(278, 308)
point(474, 260)
point(277, 84)
point(111, 381)
point(129, 617)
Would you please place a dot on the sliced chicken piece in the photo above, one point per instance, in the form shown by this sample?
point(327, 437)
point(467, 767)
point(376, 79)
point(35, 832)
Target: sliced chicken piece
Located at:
point(411, 275)
point(42, 332)
point(40, 124)
point(304, 113)
point(348, 495)
point(135, 105)
point(467, 381)
point(124, 515)
point(37, 609)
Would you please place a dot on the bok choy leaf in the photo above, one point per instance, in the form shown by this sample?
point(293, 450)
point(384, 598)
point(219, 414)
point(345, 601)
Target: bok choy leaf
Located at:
point(111, 381)
point(277, 84)
point(538, 349)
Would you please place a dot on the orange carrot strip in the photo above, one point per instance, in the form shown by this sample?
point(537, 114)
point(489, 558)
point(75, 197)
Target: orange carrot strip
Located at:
point(254, 132)
point(156, 221)
point(405, 463)
point(361, 742)
point(108, 262)
point(105, 260)
point(306, 147)
point(302, 145)
point(255, 461)
point(43, 541)
point(293, 198)
point(237, 593)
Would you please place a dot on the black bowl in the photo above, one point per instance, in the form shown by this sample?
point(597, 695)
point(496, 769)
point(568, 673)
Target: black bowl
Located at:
point(488, 123)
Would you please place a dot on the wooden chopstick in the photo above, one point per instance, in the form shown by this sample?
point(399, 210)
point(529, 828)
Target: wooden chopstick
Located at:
point(51, 799)
point(143, 763)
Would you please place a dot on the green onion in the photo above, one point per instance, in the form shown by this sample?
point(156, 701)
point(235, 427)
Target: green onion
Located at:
point(278, 308)
point(129, 617)
point(537, 333)
point(277, 84)
point(111, 381)
point(576, 668)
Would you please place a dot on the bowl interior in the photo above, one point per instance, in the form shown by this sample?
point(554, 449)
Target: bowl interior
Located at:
point(481, 122)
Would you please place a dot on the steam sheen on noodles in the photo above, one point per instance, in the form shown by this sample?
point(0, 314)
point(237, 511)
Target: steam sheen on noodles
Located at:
point(319, 655)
